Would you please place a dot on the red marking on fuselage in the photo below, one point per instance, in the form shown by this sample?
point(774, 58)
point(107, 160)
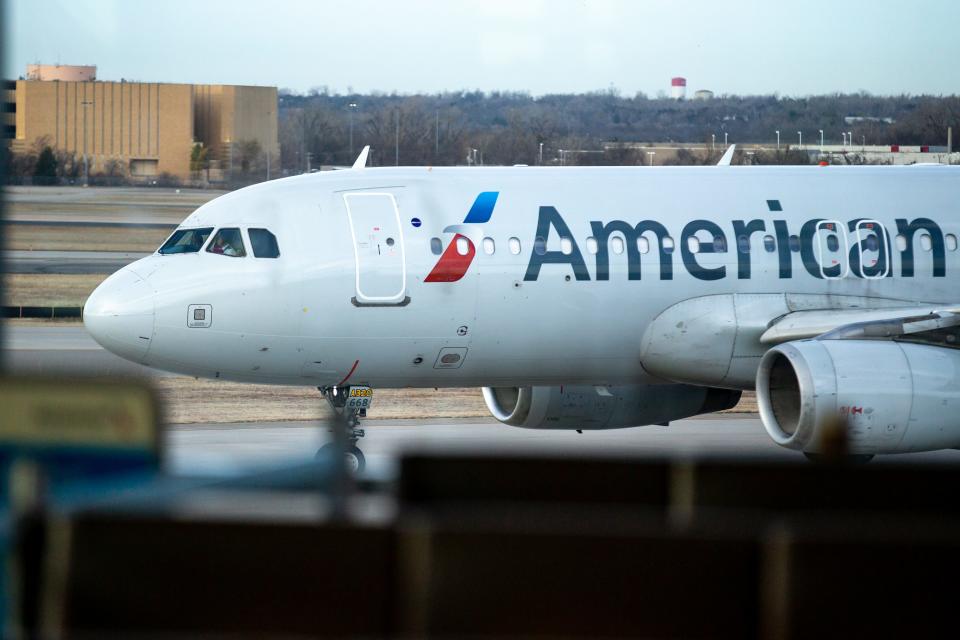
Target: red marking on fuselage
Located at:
point(352, 369)
point(452, 266)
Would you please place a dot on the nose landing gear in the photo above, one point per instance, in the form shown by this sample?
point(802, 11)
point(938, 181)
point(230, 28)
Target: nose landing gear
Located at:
point(349, 404)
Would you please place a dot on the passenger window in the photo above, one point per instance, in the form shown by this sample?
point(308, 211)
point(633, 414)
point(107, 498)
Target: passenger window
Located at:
point(566, 246)
point(951, 241)
point(227, 242)
point(925, 242)
point(769, 244)
point(833, 243)
point(263, 243)
point(743, 244)
point(872, 242)
point(463, 246)
point(901, 242)
point(693, 244)
point(489, 246)
point(436, 246)
point(514, 244)
point(643, 245)
point(794, 243)
point(668, 245)
point(616, 243)
point(185, 241)
point(592, 247)
point(539, 245)
point(719, 244)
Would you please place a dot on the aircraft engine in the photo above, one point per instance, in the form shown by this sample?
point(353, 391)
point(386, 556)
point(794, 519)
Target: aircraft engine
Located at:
point(589, 407)
point(894, 397)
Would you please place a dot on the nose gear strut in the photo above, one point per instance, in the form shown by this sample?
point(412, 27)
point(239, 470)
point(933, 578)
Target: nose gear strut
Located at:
point(349, 404)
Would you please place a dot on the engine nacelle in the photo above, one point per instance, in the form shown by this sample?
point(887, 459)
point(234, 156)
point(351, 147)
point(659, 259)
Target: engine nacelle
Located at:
point(588, 407)
point(895, 397)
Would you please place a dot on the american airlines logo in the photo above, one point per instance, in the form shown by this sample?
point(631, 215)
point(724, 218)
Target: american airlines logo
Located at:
point(453, 264)
point(826, 249)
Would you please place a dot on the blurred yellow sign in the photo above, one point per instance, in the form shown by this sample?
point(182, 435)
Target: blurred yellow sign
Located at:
point(63, 412)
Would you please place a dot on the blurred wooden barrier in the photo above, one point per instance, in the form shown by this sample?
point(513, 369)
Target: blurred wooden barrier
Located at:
point(455, 481)
point(489, 579)
point(678, 487)
point(523, 546)
point(133, 576)
point(861, 578)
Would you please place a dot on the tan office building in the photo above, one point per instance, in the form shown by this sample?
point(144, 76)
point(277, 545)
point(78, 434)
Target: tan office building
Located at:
point(149, 128)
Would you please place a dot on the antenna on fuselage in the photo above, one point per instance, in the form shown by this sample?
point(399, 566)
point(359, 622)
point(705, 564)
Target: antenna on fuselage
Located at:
point(361, 161)
point(727, 156)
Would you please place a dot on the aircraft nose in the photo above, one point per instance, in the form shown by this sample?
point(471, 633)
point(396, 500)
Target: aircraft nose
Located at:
point(119, 314)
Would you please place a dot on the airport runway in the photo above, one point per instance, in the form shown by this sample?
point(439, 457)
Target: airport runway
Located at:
point(211, 449)
point(127, 205)
point(61, 348)
point(70, 262)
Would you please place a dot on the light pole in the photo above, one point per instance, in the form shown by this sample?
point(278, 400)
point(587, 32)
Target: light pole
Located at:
point(778, 141)
point(650, 155)
point(821, 140)
point(844, 134)
point(800, 144)
point(850, 135)
point(86, 171)
point(725, 138)
point(713, 142)
point(351, 107)
point(541, 154)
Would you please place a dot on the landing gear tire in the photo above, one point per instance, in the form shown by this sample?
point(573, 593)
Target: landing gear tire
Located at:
point(860, 458)
point(354, 458)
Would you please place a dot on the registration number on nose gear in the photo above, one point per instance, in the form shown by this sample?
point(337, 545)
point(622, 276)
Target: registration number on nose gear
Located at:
point(359, 397)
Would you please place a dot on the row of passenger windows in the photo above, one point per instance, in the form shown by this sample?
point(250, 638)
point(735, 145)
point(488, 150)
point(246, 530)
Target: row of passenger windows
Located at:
point(617, 245)
point(228, 241)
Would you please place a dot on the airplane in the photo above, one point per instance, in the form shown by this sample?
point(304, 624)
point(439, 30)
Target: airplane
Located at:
point(576, 297)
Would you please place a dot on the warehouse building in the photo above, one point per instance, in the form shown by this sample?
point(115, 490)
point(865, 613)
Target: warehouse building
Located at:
point(147, 128)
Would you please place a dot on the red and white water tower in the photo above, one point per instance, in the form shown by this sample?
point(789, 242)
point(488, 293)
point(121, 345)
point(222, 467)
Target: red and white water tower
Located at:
point(678, 88)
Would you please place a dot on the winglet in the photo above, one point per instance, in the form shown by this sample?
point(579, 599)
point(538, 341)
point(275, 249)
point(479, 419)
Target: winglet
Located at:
point(362, 158)
point(727, 156)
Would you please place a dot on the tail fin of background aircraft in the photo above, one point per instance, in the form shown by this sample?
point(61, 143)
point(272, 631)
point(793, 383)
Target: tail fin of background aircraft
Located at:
point(361, 160)
point(727, 156)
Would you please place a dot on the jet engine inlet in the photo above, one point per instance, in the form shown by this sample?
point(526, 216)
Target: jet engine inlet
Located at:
point(510, 405)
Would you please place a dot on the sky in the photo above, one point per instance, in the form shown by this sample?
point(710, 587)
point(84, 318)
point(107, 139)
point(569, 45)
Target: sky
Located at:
point(538, 46)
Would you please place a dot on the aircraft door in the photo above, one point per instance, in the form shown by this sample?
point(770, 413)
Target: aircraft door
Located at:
point(830, 249)
point(381, 272)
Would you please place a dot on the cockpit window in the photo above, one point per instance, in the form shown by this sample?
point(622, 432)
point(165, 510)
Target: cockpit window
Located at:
point(186, 241)
point(227, 242)
point(263, 243)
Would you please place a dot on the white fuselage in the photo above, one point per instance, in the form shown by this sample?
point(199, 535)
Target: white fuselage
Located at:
point(349, 297)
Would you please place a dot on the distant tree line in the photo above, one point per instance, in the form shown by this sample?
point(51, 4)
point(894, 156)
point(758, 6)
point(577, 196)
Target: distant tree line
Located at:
point(508, 128)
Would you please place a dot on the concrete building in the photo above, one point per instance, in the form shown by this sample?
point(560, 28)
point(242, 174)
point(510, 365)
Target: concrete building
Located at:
point(66, 72)
point(146, 128)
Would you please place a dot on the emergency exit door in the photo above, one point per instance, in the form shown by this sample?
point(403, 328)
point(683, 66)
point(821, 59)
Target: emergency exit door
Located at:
point(381, 272)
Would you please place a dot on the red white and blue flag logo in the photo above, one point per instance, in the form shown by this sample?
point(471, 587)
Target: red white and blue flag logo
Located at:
point(452, 264)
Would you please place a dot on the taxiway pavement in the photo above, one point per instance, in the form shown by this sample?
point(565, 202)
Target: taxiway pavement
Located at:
point(69, 262)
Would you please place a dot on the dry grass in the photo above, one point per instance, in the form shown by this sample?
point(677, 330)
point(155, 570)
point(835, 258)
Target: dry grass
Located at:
point(49, 290)
point(208, 401)
point(187, 400)
point(25, 237)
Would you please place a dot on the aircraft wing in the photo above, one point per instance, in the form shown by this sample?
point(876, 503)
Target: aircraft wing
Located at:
point(800, 325)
